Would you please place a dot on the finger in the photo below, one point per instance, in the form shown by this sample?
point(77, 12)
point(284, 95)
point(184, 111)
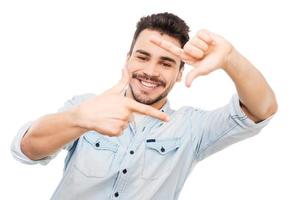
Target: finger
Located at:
point(197, 42)
point(131, 118)
point(147, 110)
point(205, 35)
point(113, 127)
point(124, 125)
point(193, 51)
point(194, 74)
point(188, 58)
point(190, 62)
point(168, 46)
point(190, 77)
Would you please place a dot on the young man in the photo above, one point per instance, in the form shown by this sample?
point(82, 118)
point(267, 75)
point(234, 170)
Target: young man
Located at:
point(127, 143)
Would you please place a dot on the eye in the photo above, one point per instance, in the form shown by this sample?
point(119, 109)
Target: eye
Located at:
point(142, 58)
point(166, 65)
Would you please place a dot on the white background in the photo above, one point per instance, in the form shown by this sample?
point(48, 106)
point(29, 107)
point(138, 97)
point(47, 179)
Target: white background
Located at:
point(52, 50)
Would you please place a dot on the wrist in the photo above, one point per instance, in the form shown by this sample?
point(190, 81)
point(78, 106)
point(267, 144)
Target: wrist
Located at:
point(74, 118)
point(230, 59)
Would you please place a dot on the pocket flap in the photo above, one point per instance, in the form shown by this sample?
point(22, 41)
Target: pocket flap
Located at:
point(163, 146)
point(99, 141)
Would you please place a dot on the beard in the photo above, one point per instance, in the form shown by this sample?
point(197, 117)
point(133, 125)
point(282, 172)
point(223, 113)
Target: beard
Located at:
point(143, 97)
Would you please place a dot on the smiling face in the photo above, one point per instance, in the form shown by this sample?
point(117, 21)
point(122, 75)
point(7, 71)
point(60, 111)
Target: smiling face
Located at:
point(154, 70)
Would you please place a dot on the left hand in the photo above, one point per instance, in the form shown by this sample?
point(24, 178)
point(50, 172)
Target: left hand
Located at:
point(206, 52)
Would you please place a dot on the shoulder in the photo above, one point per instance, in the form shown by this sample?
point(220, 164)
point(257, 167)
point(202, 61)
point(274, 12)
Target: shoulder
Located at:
point(189, 111)
point(76, 99)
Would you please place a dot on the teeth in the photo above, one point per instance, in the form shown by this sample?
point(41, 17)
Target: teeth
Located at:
point(149, 84)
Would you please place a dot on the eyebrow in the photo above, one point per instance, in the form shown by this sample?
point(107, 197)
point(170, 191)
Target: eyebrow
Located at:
point(168, 59)
point(143, 52)
point(164, 58)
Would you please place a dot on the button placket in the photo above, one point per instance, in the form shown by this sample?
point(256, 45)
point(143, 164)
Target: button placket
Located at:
point(134, 144)
point(121, 181)
point(119, 186)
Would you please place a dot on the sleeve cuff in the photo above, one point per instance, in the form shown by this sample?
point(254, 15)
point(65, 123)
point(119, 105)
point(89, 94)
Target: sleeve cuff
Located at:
point(17, 152)
point(237, 114)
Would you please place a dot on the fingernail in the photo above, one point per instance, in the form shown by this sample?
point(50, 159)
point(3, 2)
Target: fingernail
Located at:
point(167, 118)
point(187, 84)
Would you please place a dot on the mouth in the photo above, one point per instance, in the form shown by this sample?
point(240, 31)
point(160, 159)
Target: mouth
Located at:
point(148, 85)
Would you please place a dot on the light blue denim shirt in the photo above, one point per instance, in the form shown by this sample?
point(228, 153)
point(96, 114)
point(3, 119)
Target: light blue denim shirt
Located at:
point(151, 161)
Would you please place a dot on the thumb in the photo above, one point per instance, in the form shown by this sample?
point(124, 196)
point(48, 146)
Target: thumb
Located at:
point(123, 82)
point(194, 74)
point(207, 65)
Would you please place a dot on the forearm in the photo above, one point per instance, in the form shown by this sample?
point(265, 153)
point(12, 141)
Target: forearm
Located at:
point(49, 134)
point(254, 92)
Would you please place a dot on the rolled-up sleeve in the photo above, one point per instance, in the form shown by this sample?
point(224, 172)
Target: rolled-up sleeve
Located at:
point(214, 130)
point(17, 152)
point(16, 143)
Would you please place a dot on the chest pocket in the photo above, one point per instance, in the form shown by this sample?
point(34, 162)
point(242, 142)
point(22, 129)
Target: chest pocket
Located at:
point(159, 156)
point(96, 155)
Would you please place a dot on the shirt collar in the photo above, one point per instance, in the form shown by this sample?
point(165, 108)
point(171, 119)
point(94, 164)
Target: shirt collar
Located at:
point(166, 107)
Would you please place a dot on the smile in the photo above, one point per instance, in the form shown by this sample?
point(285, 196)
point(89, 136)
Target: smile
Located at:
point(148, 85)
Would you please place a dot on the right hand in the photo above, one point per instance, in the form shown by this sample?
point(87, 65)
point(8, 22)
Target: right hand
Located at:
point(110, 112)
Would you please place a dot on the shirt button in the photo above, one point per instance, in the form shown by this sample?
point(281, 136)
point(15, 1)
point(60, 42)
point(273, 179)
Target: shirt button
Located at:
point(116, 194)
point(124, 171)
point(131, 152)
point(97, 144)
point(162, 149)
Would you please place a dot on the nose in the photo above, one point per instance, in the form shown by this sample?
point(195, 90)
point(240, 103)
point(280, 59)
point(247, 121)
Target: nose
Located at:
point(151, 69)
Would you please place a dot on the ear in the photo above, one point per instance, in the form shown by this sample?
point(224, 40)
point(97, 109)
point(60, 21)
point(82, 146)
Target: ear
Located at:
point(180, 74)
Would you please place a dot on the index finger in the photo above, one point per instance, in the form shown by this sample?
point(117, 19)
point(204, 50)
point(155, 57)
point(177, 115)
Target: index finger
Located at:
point(166, 45)
point(147, 110)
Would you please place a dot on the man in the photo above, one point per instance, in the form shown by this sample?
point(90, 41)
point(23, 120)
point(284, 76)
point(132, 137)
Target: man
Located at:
point(127, 143)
